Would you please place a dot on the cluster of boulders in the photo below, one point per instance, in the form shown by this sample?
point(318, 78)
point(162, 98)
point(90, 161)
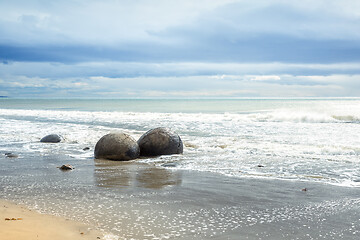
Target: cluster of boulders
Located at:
point(123, 147)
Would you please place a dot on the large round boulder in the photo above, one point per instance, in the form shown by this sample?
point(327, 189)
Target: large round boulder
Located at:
point(160, 141)
point(52, 138)
point(117, 146)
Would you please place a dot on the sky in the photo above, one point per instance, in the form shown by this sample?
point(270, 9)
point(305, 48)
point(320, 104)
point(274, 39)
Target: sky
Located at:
point(179, 48)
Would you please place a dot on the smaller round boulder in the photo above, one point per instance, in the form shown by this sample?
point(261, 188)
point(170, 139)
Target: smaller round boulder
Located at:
point(52, 138)
point(160, 141)
point(117, 146)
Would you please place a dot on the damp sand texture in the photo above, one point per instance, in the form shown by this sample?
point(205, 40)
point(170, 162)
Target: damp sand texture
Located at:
point(18, 222)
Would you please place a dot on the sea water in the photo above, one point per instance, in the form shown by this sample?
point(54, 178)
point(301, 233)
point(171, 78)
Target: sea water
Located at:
point(302, 140)
point(313, 140)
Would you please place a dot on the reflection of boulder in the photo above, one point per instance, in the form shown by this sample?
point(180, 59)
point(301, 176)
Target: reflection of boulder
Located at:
point(111, 174)
point(52, 138)
point(152, 177)
point(114, 174)
point(160, 141)
point(117, 146)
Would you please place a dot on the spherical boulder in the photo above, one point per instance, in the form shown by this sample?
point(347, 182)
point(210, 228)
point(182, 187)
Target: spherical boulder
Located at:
point(52, 138)
point(160, 141)
point(117, 146)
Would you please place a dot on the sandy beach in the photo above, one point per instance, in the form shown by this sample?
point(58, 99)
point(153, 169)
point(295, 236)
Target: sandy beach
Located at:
point(19, 222)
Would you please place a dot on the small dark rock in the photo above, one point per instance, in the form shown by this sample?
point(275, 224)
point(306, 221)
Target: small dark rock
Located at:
point(52, 138)
point(169, 164)
point(86, 148)
point(117, 146)
point(66, 167)
point(160, 141)
point(11, 155)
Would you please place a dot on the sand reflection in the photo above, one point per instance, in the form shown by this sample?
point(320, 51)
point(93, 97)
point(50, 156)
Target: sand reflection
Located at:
point(116, 174)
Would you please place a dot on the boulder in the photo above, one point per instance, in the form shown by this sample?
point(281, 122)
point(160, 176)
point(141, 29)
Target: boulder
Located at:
point(52, 138)
point(117, 146)
point(160, 141)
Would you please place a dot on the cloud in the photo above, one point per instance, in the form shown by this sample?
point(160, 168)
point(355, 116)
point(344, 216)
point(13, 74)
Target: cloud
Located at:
point(110, 21)
point(187, 86)
point(97, 22)
point(186, 79)
point(180, 31)
point(112, 69)
point(176, 48)
point(265, 78)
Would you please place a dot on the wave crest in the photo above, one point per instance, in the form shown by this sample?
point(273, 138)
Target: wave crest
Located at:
point(303, 117)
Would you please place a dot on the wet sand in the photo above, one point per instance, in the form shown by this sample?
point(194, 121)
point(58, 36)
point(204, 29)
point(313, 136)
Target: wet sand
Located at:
point(172, 204)
point(132, 200)
point(19, 222)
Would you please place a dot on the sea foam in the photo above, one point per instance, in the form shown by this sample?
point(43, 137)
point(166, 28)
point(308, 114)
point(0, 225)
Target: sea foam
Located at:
point(291, 143)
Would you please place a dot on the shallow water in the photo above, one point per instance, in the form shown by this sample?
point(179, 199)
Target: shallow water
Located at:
point(241, 174)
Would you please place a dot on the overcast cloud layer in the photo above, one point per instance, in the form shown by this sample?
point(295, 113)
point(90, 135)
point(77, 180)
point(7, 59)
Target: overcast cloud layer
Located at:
point(184, 48)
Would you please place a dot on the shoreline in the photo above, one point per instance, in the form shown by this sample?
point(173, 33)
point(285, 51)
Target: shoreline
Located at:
point(20, 222)
point(197, 205)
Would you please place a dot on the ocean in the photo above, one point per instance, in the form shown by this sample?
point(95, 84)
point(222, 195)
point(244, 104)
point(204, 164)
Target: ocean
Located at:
point(235, 152)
